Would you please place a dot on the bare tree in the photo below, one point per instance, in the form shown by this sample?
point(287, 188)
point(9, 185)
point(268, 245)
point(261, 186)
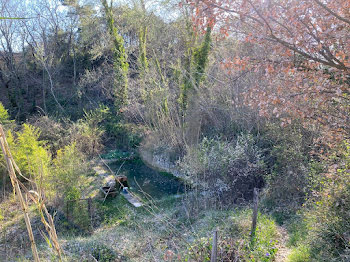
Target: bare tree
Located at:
point(10, 37)
point(43, 34)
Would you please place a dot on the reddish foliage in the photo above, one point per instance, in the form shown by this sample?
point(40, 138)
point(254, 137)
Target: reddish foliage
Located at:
point(306, 64)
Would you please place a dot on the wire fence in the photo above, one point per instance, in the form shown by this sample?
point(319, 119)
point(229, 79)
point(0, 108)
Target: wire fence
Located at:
point(81, 213)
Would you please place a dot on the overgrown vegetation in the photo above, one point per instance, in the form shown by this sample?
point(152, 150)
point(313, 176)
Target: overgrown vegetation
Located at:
point(225, 103)
point(229, 170)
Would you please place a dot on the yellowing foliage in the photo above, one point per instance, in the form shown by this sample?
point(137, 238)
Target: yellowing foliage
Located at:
point(30, 154)
point(4, 115)
point(68, 169)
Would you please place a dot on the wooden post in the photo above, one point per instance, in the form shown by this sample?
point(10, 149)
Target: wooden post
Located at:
point(5, 243)
point(89, 201)
point(67, 215)
point(255, 212)
point(4, 185)
point(214, 248)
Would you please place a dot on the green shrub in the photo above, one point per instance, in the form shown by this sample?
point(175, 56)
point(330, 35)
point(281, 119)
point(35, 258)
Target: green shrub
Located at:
point(4, 116)
point(200, 249)
point(102, 253)
point(290, 167)
point(322, 232)
point(234, 242)
point(67, 182)
point(263, 247)
point(72, 194)
point(93, 250)
point(329, 217)
point(31, 155)
point(117, 154)
point(87, 133)
point(69, 167)
point(299, 254)
point(298, 230)
point(127, 135)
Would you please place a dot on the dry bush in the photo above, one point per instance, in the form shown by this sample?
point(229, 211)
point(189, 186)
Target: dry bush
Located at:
point(51, 131)
point(225, 170)
point(88, 139)
point(85, 133)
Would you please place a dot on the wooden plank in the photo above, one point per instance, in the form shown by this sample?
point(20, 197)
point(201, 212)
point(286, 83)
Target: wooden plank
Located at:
point(132, 200)
point(214, 248)
point(255, 213)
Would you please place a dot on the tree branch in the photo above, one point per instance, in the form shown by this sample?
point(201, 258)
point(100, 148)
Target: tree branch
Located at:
point(332, 12)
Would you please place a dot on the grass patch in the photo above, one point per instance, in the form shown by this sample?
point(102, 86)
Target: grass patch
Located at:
point(1, 216)
point(114, 211)
point(117, 154)
point(137, 235)
point(297, 231)
point(234, 237)
point(299, 254)
point(263, 247)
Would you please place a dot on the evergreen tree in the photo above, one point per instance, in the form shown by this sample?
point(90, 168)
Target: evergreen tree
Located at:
point(143, 40)
point(195, 64)
point(120, 64)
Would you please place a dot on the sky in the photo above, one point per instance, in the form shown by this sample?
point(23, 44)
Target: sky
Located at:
point(33, 9)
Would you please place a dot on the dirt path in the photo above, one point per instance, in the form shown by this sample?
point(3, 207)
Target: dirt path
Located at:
point(283, 250)
point(102, 175)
